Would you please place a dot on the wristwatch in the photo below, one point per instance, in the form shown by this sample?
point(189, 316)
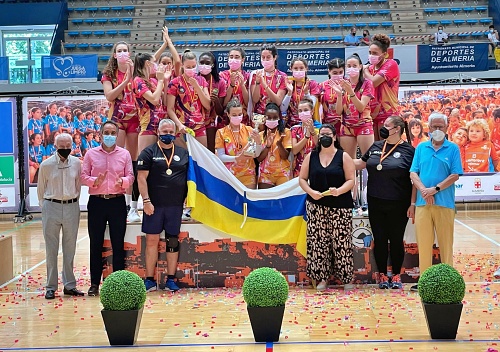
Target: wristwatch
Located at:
point(437, 188)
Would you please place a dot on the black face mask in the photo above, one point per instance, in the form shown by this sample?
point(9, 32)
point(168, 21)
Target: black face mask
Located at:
point(326, 141)
point(364, 34)
point(64, 153)
point(384, 132)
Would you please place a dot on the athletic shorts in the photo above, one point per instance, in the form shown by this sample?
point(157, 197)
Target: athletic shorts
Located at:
point(275, 179)
point(129, 126)
point(166, 219)
point(364, 130)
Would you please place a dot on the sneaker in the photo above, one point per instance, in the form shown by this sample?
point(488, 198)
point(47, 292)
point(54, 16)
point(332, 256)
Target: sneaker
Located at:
point(171, 286)
point(496, 275)
point(150, 285)
point(321, 286)
point(383, 281)
point(396, 282)
point(414, 288)
point(186, 214)
point(133, 216)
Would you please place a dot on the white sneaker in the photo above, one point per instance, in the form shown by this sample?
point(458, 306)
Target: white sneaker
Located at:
point(321, 286)
point(133, 216)
point(496, 275)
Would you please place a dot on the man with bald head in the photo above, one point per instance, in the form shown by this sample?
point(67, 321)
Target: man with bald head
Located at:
point(58, 193)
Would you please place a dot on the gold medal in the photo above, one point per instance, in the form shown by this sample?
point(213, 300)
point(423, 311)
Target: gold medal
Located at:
point(379, 167)
point(192, 109)
point(272, 159)
point(169, 172)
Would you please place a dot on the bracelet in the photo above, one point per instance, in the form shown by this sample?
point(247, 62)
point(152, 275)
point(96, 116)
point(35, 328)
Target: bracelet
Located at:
point(268, 147)
point(143, 199)
point(146, 202)
point(352, 95)
point(307, 137)
point(232, 86)
point(412, 204)
point(257, 83)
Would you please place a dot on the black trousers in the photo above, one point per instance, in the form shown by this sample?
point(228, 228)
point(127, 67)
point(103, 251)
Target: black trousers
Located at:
point(388, 221)
point(101, 212)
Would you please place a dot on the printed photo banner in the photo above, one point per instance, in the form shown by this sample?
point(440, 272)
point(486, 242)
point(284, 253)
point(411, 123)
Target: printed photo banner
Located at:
point(453, 58)
point(69, 68)
point(9, 185)
point(4, 69)
point(405, 56)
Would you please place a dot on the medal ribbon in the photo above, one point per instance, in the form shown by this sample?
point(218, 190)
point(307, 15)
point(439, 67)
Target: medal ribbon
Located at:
point(384, 156)
point(191, 97)
point(169, 160)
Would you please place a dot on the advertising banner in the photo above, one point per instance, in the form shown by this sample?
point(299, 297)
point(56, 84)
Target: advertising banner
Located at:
point(405, 56)
point(69, 68)
point(453, 58)
point(46, 117)
point(9, 187)
point(4, 70)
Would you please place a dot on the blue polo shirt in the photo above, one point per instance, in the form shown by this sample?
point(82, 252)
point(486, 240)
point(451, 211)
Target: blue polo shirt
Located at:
point(433, 166)
point(351, 39)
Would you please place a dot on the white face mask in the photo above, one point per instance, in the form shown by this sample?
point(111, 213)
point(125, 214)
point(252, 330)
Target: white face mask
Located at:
point(438, 135)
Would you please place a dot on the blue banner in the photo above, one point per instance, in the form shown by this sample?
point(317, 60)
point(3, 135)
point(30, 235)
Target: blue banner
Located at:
point(69, 68)
point(7, 123)
point(4, 70)
point(317, 59)
point(452, 58)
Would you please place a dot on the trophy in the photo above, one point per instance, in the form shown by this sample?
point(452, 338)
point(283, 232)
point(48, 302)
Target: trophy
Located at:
point(251, 149)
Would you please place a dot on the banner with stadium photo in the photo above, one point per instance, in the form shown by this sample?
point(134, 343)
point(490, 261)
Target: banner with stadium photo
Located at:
point(46, 117)
point(474, 124)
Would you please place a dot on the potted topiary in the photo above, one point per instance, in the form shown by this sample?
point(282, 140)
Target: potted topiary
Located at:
point(442, 289)
point(265, 291)
point(122, 295)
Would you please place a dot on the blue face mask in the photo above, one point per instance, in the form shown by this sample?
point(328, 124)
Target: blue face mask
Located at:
point(109, 140)
point(167, 138)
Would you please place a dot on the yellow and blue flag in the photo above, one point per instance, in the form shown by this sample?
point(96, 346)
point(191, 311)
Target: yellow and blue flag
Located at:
point(220, 201)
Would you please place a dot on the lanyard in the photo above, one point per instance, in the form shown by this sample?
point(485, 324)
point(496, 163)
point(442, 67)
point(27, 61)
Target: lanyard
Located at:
point(384, 156)
point(169, 160)
point(237, 142)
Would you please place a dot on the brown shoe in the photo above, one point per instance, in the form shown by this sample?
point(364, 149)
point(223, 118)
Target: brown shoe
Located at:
point(93, 290)
point(73, 292)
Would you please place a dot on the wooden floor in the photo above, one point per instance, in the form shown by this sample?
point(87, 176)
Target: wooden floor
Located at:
point(366, 319)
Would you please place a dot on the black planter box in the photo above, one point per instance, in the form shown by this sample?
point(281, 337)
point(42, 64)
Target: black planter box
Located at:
point(266, 322)
point(443, 319)
point(122, 326)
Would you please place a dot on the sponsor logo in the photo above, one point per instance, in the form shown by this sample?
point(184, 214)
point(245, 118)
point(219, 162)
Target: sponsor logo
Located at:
point(477, 183)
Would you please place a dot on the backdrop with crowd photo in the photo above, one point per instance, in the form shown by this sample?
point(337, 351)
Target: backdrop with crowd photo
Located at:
point(46, 117)
point(474, 124)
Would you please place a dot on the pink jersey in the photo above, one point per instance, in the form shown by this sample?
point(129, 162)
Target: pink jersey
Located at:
point(188, 107)
point(386, 94)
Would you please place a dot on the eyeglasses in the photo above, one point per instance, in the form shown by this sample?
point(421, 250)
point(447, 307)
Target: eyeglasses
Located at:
point(441, 128)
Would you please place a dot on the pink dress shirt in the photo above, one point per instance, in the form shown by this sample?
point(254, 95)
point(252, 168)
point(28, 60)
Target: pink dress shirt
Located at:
point(117, 163)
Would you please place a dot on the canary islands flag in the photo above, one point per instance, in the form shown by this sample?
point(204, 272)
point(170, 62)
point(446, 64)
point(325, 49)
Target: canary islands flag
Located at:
point(220, 201)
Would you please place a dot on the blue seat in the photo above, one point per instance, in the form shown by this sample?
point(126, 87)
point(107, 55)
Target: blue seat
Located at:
point(104, 9)
point(104, 58)
point(183, 19)
point(245, 17)
point(382, 2)
point(322, 27)
point(220, 18)
point(307, 3)
point(295, 16)
point(195, 18)
point(320, 3)
point(308, 15)
point(347, 25)
point(114, 21)
point(86, 33)
point(82, 46)
point(346, 13)
point(70, 46)
point(232, 41)
point(128, 21)
point(111, 33)
point(284, 40)
point(245, 29)
point(335, 26)
point(463, 35)
point(468, 10)
point(283, 16)
point(171, 8)
point(184, 7)
point(233, 6)
point(442, 10)
point(77, 22)
point(295, 4)
point(297, 40)
point(369, 3)
point(101, 21)
point(446, 22)
point(455, 10)
point(270, 40)
point(181, 31)
point(270, 28)
point(232, 30)
point(432, 23)
point(323, 39)
point(358, 13)
point(283, 28)
point(207, 30)
point(361, 24)
point(71, 9)
point(258, 5)
point(206, 42)
point(116, 8)
point(429, 11)
point(92, 9)
point(80, 10)
point(296, 27)
point(233, 17)
point(194, 30)
point(270, 4)
point(170, 18)
point(96, 45)
point(371, 13)
point(479, 34)
point(321, 14)
point(356, 3)
point(485, 20)
point(245, 41)
point(196, 7)
point(179, 42)
point(257, 28)
point(209, 7)
point(258, 41)
point(338, 38)
point(219, 29)
point(193, 42)
point(108, 45)
point(459, 22)
point(472, 22)
point(332, 2)
point(311, 39)
point(99, 33)
point(129, 9)
point(258, 16)
point(481, 8)
point(73, 34)
point(282, 4)
point(245, 6)
point(89, 21)
point(384, 13)
point(309, 27)
point(386, 24)
point(373, 24)
point(270, 16)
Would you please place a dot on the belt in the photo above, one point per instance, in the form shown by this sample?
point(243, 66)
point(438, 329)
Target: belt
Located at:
point(108, 196)
point(68, 201)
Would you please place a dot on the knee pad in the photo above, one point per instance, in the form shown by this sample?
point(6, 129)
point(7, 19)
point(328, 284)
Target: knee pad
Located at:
point(173, 244)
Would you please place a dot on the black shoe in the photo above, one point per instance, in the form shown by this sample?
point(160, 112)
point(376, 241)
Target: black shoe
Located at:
point(414, 288)
point(73, 292)
point(93, 290)
point(50, 294)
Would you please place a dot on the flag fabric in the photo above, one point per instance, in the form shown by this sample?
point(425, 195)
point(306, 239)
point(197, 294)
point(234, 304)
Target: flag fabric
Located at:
point(219, 200)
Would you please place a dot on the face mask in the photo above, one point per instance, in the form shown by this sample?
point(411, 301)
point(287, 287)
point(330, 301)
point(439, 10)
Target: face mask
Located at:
point(272, 124)
point(236, 120)
point(109, 140)
point(440, 31)
point(352, 72)
point(304, 115)
point(336, 77)
point(153, 69)
point(190, 72)
point(374, 59)
point(122, 56)
point(326, 141)
point(234, 64)
point(438, 135)
point(205, 69)
point(384, 132)
point(492, 30)
point(166, 138)
point(267, 64)
point(64, 153)
point(364, 34)
point(299, 74)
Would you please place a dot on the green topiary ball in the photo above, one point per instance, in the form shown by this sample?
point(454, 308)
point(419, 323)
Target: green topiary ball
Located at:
point(265, 287)
point(441, 284)
point(123, 290)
